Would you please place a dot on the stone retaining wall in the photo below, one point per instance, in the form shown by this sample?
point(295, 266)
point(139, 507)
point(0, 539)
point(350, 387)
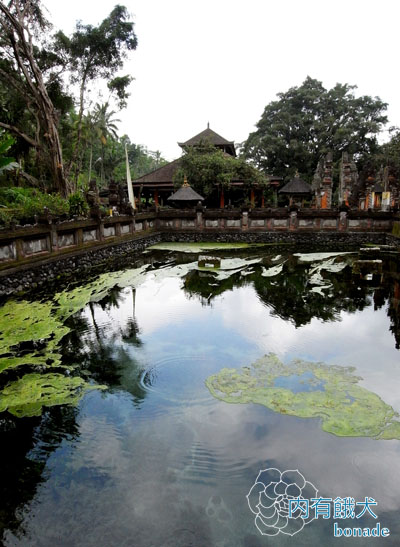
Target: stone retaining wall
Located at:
point(58, 271)
point(36, 256)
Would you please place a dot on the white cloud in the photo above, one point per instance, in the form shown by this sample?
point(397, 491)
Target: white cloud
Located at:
point(223, 61)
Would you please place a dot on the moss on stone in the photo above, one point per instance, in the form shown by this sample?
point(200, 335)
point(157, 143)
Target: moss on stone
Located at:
point(344, 408)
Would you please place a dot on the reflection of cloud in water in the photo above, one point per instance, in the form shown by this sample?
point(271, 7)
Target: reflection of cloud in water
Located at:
point(338, 467)
point(118, 489)
point(352, 341)
point(160, 303)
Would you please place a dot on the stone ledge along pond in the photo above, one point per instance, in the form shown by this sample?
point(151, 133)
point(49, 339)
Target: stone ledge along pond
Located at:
point(138, 407)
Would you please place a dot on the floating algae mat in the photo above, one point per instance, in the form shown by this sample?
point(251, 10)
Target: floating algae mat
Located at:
point(28, 395)
point(203, 246)
point(329, 392)
point(30, 334)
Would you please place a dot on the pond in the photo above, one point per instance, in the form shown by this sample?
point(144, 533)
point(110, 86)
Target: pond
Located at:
point(171, 404)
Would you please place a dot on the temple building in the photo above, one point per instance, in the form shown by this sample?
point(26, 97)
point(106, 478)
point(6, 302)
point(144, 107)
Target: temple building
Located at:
point(159, 185)
point(370, 189)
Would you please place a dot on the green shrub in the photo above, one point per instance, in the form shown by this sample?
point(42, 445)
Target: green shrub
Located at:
point(24, 203)
point(77, 205)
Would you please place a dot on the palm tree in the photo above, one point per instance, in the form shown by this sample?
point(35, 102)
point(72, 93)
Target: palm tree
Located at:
point(105, 128)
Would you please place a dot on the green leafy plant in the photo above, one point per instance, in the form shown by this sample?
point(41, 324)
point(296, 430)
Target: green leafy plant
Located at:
point(77, 205)
point(6, 163)
point(22, 204)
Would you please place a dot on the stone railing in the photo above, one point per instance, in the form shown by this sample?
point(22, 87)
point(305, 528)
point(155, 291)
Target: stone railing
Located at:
point(274, 220)
point(30, 244)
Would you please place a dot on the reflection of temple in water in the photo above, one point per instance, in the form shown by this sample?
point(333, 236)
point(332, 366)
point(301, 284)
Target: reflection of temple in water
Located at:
point(290, 296)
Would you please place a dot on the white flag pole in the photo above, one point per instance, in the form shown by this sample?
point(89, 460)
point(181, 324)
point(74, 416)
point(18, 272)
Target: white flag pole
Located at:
point(128, 179)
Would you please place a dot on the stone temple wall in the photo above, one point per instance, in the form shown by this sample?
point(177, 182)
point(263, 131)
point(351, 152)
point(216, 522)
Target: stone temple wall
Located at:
point(38, 256)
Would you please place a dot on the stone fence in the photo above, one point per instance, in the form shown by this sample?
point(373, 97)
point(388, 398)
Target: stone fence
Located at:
point(27, 245)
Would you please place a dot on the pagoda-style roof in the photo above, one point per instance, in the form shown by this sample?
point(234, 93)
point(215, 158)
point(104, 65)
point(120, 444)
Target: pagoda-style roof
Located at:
point(212, 137)
point(295, 187)
point(185, 193)
point(161, 176)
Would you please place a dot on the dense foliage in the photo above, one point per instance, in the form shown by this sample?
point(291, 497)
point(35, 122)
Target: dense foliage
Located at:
point(60, 140)
point(20, 205)
point(207, 167)
point(308, 121)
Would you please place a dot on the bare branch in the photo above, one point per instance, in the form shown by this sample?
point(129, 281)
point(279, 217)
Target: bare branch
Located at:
point(15, 130)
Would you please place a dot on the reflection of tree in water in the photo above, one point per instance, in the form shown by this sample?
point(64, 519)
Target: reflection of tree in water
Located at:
point(204, 285)
point(288, 294)
point(26, 444)
point(97, 351)
point(291, 298)
point(392, 282)
point(103, 350)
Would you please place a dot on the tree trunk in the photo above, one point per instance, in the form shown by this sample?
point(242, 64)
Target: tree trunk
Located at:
point(18, 34)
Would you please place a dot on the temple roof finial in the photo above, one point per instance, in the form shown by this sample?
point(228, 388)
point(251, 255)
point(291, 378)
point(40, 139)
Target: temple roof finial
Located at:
point(208, 125)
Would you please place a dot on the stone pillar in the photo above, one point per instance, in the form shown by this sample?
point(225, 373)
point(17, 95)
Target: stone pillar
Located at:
point(326, 200)
point(293, 222)
point(101, 230)
point(245, 220)
point(79, 236)
point(343, 221)
point(199, 217)
point(53, 238)
point(19, 249)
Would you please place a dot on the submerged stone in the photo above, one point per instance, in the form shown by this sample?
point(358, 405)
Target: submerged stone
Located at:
point(329, 392)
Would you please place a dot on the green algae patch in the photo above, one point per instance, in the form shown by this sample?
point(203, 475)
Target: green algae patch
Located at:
point(28, 395)
point(29, 334)
point(313, 390)
point(201, 246)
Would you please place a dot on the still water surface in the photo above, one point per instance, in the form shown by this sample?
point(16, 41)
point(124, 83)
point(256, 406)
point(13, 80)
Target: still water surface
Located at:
point(155, 460)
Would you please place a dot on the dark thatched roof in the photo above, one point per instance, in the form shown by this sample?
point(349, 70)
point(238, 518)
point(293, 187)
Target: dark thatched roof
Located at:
point(185, 193)
point(296, 186)
point(163, 174)
point(212, 137)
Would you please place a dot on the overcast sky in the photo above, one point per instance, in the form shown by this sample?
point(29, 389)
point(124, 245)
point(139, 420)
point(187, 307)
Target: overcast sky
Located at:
point(223, 61)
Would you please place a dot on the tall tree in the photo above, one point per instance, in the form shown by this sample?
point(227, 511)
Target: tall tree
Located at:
point(207, 167)
point(389, 152)
point(105, 129)
point(94, 52)
point(307, 121)
point(22, 21)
